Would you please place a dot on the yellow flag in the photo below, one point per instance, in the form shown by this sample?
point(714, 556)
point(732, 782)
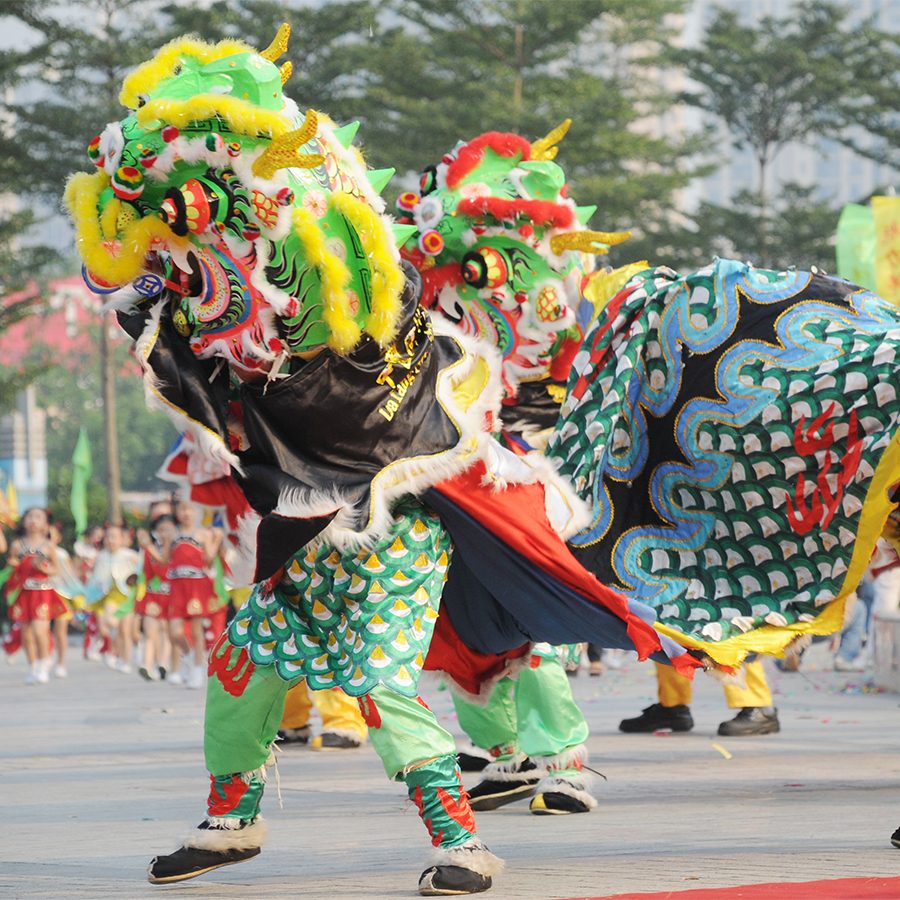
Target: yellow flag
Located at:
point(886, 211)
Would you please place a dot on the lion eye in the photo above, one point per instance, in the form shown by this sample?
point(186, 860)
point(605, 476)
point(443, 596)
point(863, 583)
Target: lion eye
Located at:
point(484, 267)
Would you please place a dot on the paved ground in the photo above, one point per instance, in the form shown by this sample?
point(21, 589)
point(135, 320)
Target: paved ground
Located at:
point(99, 772)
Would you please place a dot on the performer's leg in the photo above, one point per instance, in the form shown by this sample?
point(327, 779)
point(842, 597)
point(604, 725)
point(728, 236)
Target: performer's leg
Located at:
point(672, 712)
point(754, 700)
point(494, 726)
point(552, 732)
point(343, 727)
point(244, 706)
point(295, 727)
point(150, 655)
point(198, 644)
point(181, 647)
point(414, 748)
point(61, 638)
point(491, 725)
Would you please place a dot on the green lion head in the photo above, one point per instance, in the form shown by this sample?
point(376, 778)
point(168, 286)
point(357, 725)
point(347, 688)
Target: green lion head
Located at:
point(259, 224)
point(502, 250)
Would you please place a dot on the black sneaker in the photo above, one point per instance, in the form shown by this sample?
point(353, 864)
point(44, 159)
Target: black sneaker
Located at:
point(553, 803)
point(328, 740)
point(659, 718)
point(895, 838)
point(439, 881)
point(515, 783)
point(295, 735)
point(752, 720)
point(189, 862)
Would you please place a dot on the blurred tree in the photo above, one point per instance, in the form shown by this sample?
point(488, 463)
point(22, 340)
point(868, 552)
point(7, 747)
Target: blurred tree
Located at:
point(81, 49)
point(437, 72)
point(797, 230)
point(71, 394)
point(802, 77)
point(328, 46)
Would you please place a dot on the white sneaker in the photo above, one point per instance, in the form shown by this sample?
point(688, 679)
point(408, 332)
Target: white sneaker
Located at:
point(122, 666)
point(111, 660)
point(31, 678)
point(94, 655)
point(175, 678)
point(60, 672)
point(197, 678)
point(42, 671)
point(848, 665)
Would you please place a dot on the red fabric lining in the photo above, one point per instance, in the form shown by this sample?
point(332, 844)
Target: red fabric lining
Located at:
point(517, 514)
point(468, 668)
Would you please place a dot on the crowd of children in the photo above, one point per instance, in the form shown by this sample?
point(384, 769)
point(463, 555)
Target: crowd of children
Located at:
point(155, 609)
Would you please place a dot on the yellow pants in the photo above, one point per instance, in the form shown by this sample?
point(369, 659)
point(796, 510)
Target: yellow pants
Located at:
point(340, 713)
point(675, 689)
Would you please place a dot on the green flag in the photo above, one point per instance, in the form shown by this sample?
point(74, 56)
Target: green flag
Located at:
point(81, 475)
point(855, 246)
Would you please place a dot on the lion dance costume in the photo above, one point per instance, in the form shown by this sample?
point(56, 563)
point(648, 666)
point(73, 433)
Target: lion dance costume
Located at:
point(275, 323)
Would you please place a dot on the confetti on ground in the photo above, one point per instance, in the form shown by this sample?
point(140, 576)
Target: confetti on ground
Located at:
point(722, 750)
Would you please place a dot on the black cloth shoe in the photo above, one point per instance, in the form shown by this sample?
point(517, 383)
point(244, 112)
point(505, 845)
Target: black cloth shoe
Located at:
point(468, 762)
point(659, 718)
point(439, 881)
point(552, 803)
point(515, 785)
point(189, 862)
point(295, 735)
point(752, 720)
point(328, 740)
point(895, 838)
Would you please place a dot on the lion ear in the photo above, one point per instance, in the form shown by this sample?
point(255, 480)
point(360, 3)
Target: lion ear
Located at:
point(279, 44)
point(546, 147)
point(282, 151)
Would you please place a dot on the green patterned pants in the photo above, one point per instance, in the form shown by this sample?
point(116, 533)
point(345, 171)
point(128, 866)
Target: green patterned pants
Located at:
point(244, 706)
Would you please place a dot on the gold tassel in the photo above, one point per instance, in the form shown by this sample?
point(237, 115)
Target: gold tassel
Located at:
point(587, 241)
point(286, 71)
point(282, 152)
point(546, 148)
point(279, 44)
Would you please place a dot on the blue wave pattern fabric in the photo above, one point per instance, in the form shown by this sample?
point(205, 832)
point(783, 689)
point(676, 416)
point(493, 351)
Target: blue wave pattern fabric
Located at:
point(727, 427)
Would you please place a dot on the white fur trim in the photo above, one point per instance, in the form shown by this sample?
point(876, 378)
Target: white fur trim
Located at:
point(567, 512)
point(510, 770)
point(243, 562)
point(228, 837)
point(571, 787)
point(472, 855)
point(209, 444)
point(570, 758)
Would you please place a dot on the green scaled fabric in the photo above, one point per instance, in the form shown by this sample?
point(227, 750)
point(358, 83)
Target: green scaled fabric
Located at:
point(353, 619)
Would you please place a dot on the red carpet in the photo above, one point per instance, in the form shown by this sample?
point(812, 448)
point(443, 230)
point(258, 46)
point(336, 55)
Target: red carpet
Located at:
point(830, 889)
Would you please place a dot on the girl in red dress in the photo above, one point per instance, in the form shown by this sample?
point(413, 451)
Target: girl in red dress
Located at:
point(36, 602)
point(153, 607)
point(192, 592)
